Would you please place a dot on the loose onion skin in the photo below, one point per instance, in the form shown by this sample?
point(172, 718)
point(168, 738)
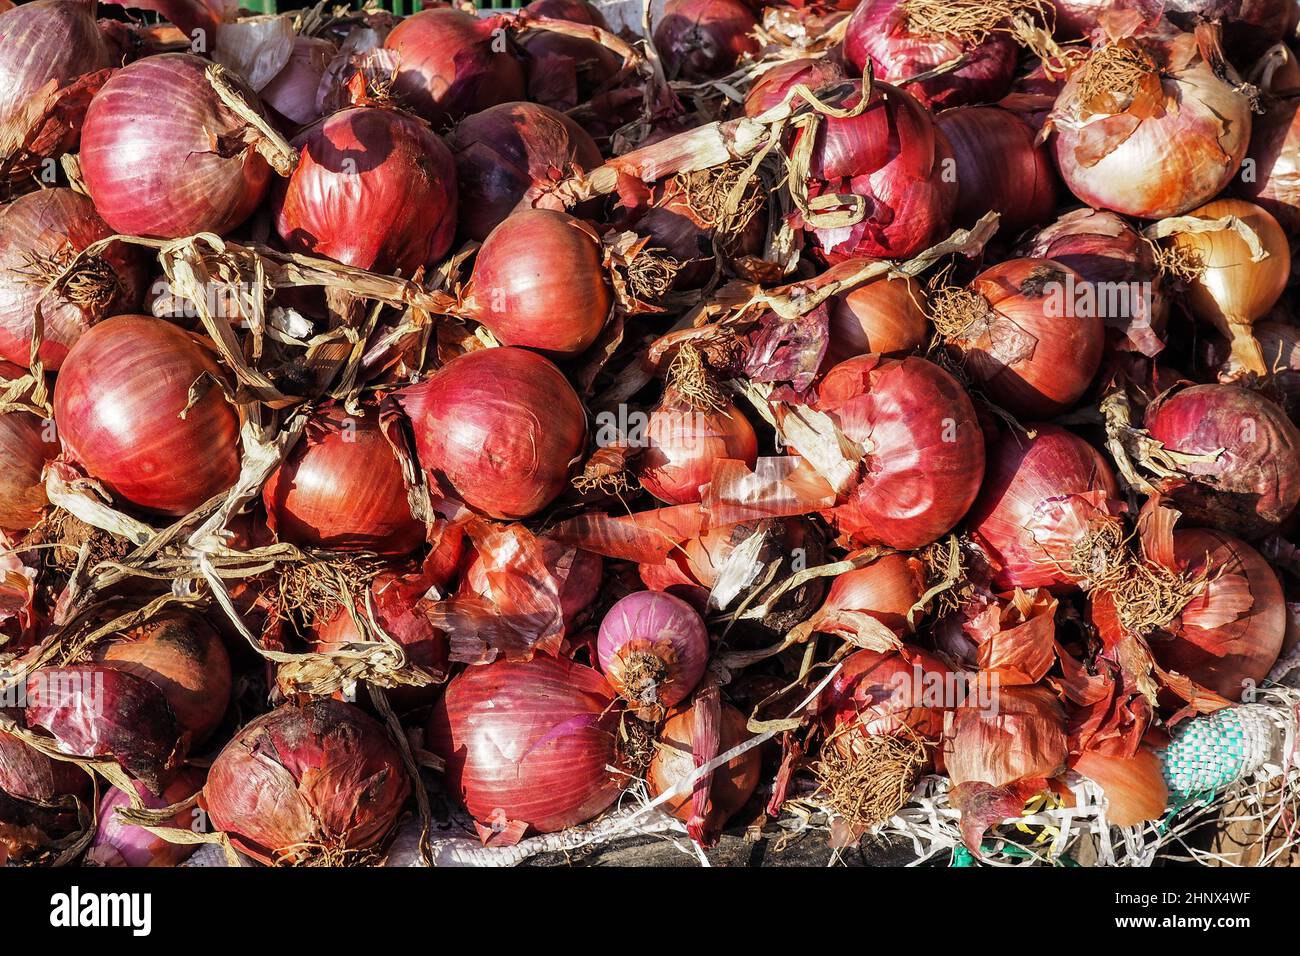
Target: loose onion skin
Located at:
point(292, 92)
point(122, 844)
point(1033, 351)
point(878, 31)
point(885, 316)
point(999, 168)
point(1040, 498)
point(1255, 483)
point(581, 582)
point(448, 67)
point(892, 155)
point(43, 41)
point(26, 444)
point(52, 225)
point(373, 188)
point(653, 649)
point(1208, 642)
point(774, 85)
point(683, 442)
point(1023, 740)
point(539, 282)
point(147, 152)
point(118, 401)
point(502, 427)
point(39, 799)
point(183, 656)
point(321, 778)
point(511, 155)
point(925, 449)
point(528, 742)
point(703, 39)
point(880, 695)
point(732, 784)
point(341, 488)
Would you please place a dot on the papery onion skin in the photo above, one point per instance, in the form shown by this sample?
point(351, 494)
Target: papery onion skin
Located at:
point(683, 442)
point(925, 448)
point(47, 40)
point(653, 649)
point(118, 401)
point(341, 488)
point(581, 583)
point(1134, 786)
point(122, 844)
point(502, 426)
point(1255, 483)
point(1170, 162)
point(184, 657)
point(999, 168)
point(732, 784)
point(1037, 351)
point(885, 316)
point(292, 92)
point(539, 282)
point(39, 797)
point(53, 225)
point(511, 155)
point(449, 67)
point(1041, 496)
point(528, 742)
point(302, 779)
point(878, 31)
point(147, 152)
point(704, 39)
point(893, 155)
point(1024, 738)
point(1227, 657)
point(885, 694)
point(374, 188)
point(887, 589)
point(26, 444)
point(774, 85)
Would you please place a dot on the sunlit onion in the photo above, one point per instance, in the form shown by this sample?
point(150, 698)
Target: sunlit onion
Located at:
point(292, 92)
point(653, 649)
point(683, 442)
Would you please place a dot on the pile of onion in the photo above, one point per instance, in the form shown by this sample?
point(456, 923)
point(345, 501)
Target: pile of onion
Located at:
point(922, 443)
point(26, 444)
point(448, 66)
point(1254, 483)
point(122, 844)
point(40, 234)
point(118, 403)
point(539, 282)
point(528, 743)
point(892, 156)
point(1000, 168)
point(1121, 146)
point(704, 39)
point(564, 70)
point(652, 648)
point(1024, 334)
point(341, 488)
point(512, 155)
point(148, 156)
point(317, 781)
point(500, 428)
point(1046, 514)
point(901, 40)
point(374, 188)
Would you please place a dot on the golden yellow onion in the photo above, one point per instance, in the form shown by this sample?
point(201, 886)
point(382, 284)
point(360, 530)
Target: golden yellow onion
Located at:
point(1233, 286)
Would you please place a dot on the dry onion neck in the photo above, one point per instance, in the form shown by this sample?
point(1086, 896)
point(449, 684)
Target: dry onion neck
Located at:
point(1029, 22)
point(691, 378)
point(960, 314)
point(871, 778)
point(317, 587)
point(87, 282)
point(1114, 75)
point(1148, 596)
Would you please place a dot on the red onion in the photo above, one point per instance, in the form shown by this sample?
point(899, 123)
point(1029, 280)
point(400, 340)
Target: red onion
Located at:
point(582, 572)
point(885, 315)
point(1023, 738)
point(1255, 483)
point(320, 780)
point(900, 45)
point(1230, 634)
point(148, 156)
point(292, 92)
point(47, 40)
point(40, 233)
point(683, 442)
point(1116, 150)
point(93, 710)
point(118, 401)
point(501, 427)
point(564, 71)
point(449, 66)
point(1117, 266)
point(924, 448)
point(704, 39)
point(865, 602)
point(39, 798)
point(653, 650)
point(892, 155)
point(539, 282)
point(882, 695)
point(374, 188)
point(999, 168)
point(1043, 499)
point(121, 844)
point(1279, 342)
point(341, 488)
point(513, 155)
point(1249, 26)
point(26, 444)
point(774, 85)
point(1024, 334)
point(528, 743)
point(183, 656)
